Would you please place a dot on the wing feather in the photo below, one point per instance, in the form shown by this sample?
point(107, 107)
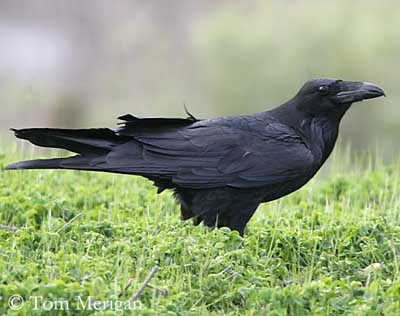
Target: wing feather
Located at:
point(241, 152)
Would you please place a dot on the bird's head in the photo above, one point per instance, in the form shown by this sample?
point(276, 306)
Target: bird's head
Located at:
point(329, 95)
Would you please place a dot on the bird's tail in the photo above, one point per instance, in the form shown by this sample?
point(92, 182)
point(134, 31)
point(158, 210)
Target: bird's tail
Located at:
point(89, 144)
point(75, 162)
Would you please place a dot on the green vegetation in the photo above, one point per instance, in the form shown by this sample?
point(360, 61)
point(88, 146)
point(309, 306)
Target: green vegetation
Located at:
point(330, 249)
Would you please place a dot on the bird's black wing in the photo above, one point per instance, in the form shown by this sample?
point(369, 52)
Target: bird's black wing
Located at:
point(241, 152)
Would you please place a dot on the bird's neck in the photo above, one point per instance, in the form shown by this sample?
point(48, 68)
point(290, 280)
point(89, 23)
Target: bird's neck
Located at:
point(318, 132)
point(322, 133)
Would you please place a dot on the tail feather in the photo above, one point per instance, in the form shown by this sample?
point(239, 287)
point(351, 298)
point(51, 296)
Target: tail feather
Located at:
point(91, 145)
point(75, 162)
point(80, 141)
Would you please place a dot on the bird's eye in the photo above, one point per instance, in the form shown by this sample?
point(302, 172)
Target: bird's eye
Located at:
point(324, 90)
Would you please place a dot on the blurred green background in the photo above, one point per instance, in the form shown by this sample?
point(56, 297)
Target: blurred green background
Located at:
point(83, 63)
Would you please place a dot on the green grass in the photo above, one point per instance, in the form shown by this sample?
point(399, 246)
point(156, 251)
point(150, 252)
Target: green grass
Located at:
point(330, 249)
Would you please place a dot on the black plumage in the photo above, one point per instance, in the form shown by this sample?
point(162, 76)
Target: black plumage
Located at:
point(220, 169)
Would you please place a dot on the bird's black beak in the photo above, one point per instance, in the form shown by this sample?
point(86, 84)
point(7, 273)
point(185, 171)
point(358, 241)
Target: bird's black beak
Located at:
point(353, 91)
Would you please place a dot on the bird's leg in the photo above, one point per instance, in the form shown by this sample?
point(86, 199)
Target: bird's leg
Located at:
point(237, 218)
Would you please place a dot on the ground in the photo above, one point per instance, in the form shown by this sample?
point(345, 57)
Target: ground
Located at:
point(73, 238)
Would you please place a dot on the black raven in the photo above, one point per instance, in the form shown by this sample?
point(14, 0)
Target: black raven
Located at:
point(220, 169)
